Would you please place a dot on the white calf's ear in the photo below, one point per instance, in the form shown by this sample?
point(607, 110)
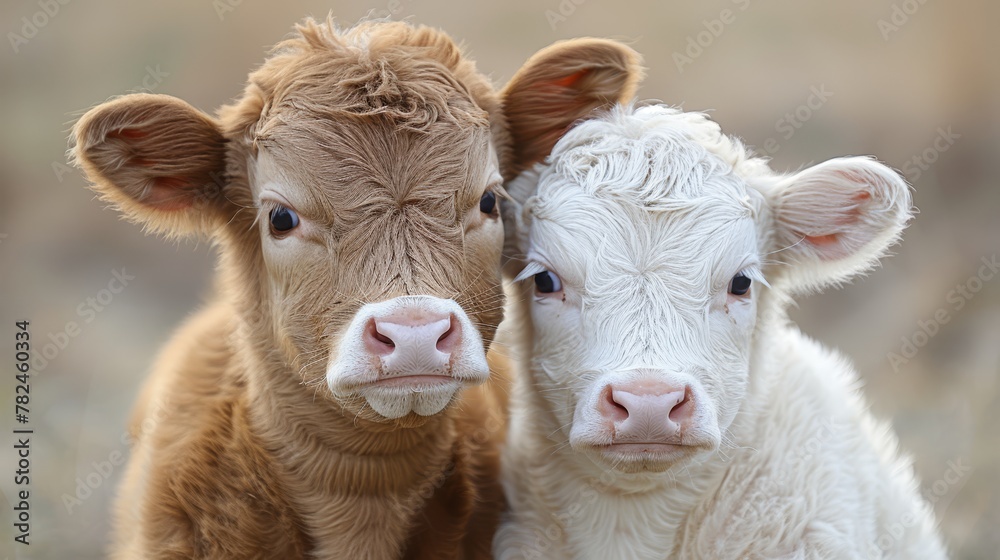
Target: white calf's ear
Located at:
point(157, 159)
point(835, 219)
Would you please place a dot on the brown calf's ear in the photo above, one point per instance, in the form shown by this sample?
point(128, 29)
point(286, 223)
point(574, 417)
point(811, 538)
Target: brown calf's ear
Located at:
point(156, 158)
point(559, 85)
point(556, 87)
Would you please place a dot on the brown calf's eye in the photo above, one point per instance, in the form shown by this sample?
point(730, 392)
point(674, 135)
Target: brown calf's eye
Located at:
point(488, 203)
point(283, 219)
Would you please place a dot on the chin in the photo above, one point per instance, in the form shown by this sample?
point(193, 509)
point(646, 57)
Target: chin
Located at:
point(394, 402)
point(645, 458)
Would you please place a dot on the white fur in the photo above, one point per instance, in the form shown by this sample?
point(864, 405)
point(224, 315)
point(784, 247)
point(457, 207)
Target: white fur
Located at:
point(645, 214)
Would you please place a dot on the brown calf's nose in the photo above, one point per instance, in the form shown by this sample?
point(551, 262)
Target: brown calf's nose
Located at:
point(413, 341)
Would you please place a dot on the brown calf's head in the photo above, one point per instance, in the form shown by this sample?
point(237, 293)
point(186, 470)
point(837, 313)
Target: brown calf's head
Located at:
point(353, 191)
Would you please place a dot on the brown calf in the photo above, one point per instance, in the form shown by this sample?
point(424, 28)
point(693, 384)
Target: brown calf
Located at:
point(330, 403)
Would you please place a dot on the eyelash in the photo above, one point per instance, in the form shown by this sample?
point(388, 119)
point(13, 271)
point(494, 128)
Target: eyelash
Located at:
point(266, 206)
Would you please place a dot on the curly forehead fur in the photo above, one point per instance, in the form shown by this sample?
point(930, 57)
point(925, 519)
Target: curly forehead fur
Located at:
point(384, 125)
point(653, 156)
point(391, 89)
point(414, 76)
point(642, 186)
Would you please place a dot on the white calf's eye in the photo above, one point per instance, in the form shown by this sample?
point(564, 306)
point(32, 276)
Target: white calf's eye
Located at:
point(547, 283)
point(283, 220)
point(739, 285)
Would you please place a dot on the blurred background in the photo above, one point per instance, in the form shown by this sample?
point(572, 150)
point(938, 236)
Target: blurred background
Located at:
point(915, 83)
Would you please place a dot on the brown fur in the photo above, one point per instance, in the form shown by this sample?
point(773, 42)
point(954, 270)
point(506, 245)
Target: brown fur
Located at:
point(385, 129)
point(594, 73)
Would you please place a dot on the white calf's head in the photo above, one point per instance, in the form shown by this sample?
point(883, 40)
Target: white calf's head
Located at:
point(643, 246)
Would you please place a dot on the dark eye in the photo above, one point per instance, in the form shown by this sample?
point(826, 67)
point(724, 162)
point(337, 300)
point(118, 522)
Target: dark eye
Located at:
point(740, 285)
point(283, 219)
point(547, 283)
point(488, 203)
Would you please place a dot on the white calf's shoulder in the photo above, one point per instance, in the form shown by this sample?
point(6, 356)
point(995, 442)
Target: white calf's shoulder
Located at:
point(817, 475)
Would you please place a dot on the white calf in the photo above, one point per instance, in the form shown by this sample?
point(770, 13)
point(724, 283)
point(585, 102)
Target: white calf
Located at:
point(669, 409)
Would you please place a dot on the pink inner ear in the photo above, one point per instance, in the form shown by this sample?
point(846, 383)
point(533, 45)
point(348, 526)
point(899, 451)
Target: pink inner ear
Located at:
point(828, 247)
point(850, 215)
point(571, 80)
point(169, 194)
point(821, 240)
point(855, 211)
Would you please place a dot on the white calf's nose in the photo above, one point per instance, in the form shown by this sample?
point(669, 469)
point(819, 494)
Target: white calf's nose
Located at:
point(413, 341)
point(646, 411)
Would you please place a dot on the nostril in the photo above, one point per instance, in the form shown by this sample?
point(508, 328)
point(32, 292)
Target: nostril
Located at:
point(382, 338)
point(447, 341)
point(682, 410)
point(377, 342)
point(610, 408)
